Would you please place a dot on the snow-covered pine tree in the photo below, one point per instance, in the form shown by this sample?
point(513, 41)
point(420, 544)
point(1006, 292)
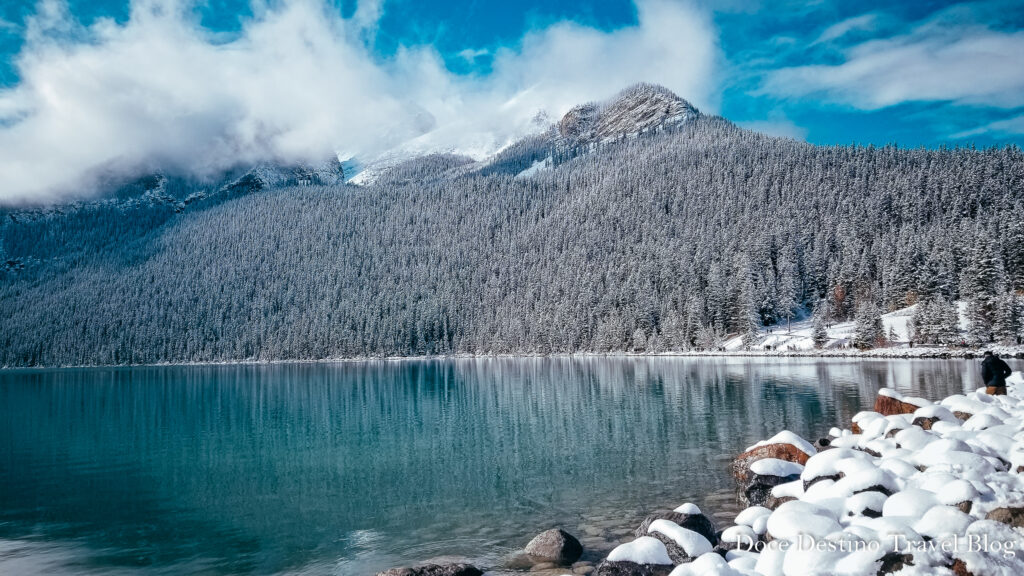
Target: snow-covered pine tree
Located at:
point(868, 331)
point(707, 338)
point(1006, 327)
point(980, 286)
point(948, 318)
point(787, 288)
point(819, 333)
point(746, 318)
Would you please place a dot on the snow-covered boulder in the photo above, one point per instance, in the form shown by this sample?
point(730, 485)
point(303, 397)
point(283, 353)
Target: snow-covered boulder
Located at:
point(644, 556)
point(890, 402)
point(682, 544)
point(696, 522)
point(783, 446)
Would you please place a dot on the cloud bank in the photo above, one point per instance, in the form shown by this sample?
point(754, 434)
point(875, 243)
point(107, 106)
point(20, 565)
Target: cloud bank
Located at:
point(948, 57)
point(299, 82)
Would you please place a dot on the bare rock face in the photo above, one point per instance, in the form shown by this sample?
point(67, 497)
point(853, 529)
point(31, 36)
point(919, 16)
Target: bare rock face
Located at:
point(556, 546)
point(636, 110)
point(579, 123)
point(435, 570)
point(1014, 516)
point(788, 452)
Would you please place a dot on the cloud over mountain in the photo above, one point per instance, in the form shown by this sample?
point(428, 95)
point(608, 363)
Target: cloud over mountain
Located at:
point(298, 81)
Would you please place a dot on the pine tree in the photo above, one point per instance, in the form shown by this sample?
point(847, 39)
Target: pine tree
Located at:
point(746, 317)
point(1007, 321)
point(868, 331)
point(980, 286)
point(787, 288)
point(818, 331)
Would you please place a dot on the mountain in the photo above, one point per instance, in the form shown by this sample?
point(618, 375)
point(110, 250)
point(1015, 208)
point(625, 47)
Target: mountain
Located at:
point(651, 227)
point(637, 110)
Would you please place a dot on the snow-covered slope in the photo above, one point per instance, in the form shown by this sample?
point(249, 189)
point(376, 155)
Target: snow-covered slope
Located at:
point(639, 109)
point(798, 336)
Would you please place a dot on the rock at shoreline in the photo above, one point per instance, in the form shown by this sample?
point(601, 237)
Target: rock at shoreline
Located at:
point(766, 474)
point(894, 562)
point(790, 451)
point(925, 423)
point(435, 570)
point(607, 568)
point(959, 568)
point(1014, 516)
point(698, 523)
point(890, 405)
point(644, 556)
point(555, 545)
point(682, 545)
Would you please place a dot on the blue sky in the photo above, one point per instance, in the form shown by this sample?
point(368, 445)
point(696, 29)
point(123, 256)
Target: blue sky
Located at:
point(913, 73)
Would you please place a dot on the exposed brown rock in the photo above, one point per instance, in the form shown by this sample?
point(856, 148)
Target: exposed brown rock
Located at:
point(894, 562)
point(773, 502)
point(1014, 516)
point(963, 415)
point(788, 452)
point(925, 423)
point(888, 406)
point(960, 568)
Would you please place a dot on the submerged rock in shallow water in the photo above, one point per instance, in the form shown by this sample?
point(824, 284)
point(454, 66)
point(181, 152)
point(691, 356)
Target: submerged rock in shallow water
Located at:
point(556, 546)
point(435, 570)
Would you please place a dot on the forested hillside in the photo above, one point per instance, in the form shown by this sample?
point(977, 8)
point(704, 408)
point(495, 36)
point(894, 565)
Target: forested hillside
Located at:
point(667, 241)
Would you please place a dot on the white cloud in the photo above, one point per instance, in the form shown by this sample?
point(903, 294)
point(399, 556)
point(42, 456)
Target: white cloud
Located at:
point(470, 55)
point(299, 82)
point(942, 59)
point(840, 29)
point(7, 27)
point(1008, 127)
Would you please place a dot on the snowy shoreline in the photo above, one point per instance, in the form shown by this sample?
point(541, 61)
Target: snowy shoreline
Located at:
point(845, 354)
point(912, 487)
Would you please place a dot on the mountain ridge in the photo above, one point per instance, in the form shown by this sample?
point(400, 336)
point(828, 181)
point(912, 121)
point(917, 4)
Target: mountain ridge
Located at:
point(668, 242)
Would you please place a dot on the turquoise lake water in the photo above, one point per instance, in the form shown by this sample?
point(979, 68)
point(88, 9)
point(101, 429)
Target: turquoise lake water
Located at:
point(350, 468)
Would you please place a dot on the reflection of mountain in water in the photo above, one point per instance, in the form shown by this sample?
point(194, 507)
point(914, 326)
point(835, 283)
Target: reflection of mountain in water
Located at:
point(268, 468)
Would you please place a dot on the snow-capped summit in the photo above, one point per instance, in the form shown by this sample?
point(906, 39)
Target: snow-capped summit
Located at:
point(637, 109)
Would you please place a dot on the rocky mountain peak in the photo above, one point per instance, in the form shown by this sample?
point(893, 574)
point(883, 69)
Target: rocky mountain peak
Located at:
point(637, 109)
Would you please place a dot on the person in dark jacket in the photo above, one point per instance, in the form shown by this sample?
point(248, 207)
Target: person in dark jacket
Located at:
point(994, 372)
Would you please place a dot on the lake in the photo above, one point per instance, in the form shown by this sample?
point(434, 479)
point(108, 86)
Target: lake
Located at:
point(350, 468)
